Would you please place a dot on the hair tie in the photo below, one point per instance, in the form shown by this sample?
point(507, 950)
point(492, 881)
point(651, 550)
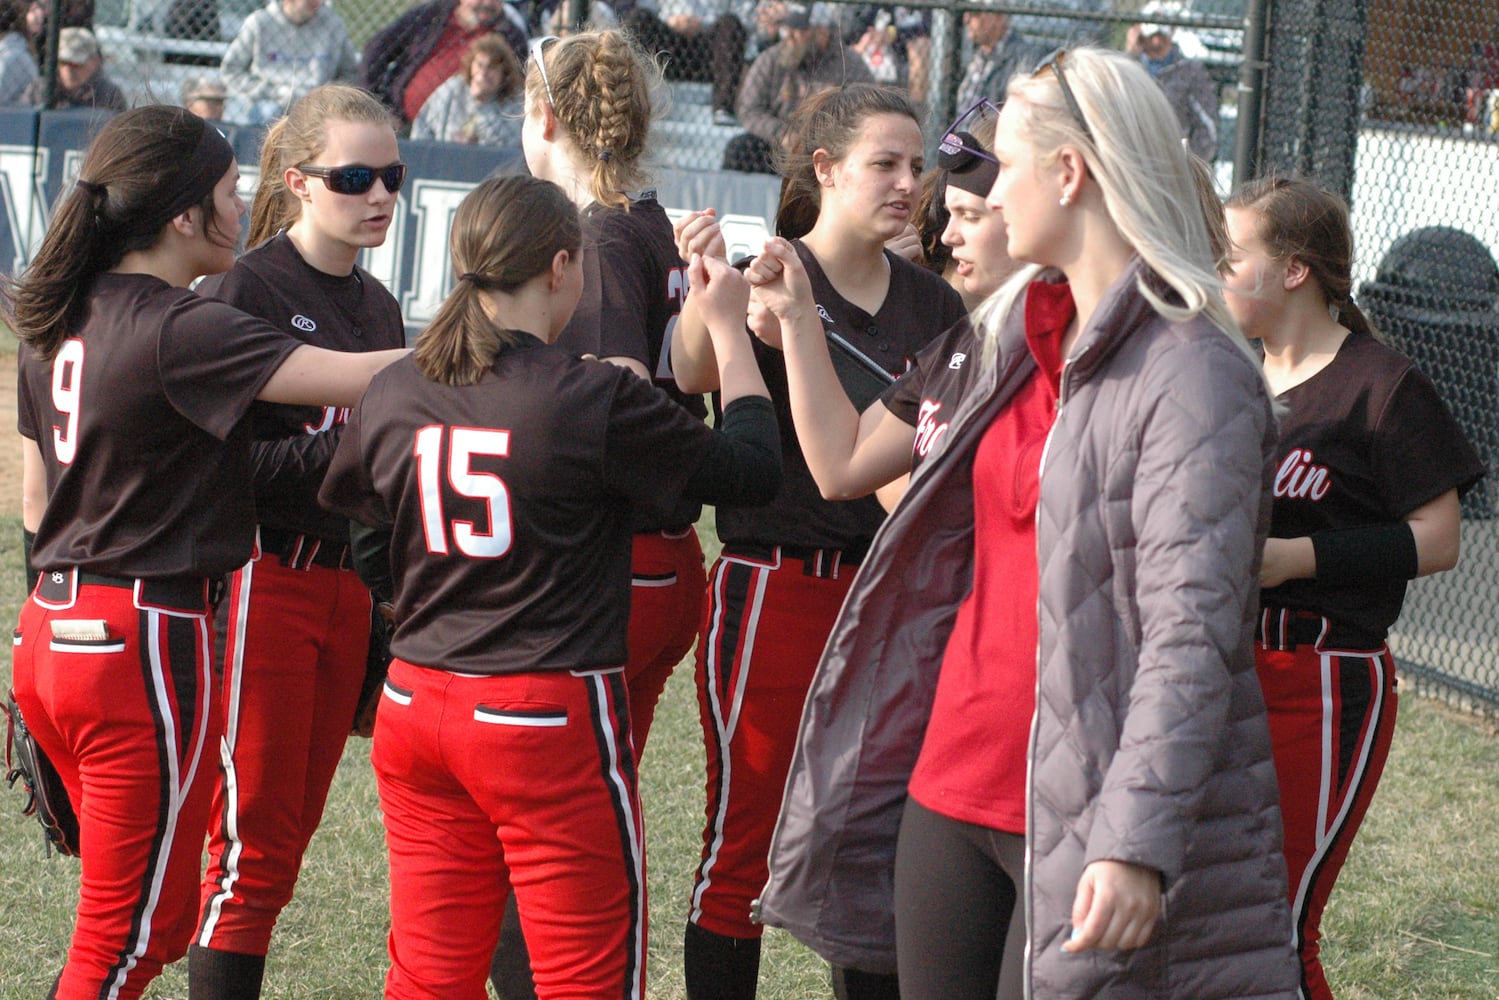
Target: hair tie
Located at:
point(604, 155)
point(470, 276)
point(90, 187)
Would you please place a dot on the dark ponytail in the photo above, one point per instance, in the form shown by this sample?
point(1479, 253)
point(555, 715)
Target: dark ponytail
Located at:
point(144, 168)
point(505, 232)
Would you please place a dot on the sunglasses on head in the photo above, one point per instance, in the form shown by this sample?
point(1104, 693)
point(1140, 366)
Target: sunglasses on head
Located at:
point(960, 142)
point(537, 48)
point(1053, 62)
point(357, 178)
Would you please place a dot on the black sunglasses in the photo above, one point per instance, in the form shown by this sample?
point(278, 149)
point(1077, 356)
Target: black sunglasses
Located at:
point(357, 179)
point(1053, 62)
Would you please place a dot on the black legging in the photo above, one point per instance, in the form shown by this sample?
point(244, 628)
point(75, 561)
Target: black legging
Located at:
point(955, 893)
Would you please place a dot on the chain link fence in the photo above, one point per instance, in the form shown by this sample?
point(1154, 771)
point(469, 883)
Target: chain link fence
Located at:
point(1395, 104)
point(1392, 103)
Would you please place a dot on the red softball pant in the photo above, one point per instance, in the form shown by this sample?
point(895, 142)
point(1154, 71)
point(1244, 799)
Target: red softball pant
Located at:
point(129, 723)
point(1332, 718)
point(667, 597)
point(294, 658)
point(522, 782)
point(767, 622)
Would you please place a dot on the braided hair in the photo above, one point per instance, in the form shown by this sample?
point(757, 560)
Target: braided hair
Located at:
point(601, 87)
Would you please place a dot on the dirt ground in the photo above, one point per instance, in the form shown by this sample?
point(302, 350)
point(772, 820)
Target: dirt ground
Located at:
point(10, 452)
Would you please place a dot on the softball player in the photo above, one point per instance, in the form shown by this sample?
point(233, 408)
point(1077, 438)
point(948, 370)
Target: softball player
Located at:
point(1370, 466)
point(508, 472)
point(774, 592)
point(296, 622)
point(588, 101)
point(131, 394)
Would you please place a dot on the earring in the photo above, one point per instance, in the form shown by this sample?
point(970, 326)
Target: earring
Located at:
point(1065, 200)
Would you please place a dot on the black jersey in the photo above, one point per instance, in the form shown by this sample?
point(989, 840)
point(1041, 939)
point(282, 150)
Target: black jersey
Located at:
point(138, 419)
point(341, 313)
point(917, 308)
point(510, 502)
point(928, 395)
point(1365, 441)
point(634, 284)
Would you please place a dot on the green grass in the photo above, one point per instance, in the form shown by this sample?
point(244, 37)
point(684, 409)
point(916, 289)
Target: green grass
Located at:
point(1420, 894)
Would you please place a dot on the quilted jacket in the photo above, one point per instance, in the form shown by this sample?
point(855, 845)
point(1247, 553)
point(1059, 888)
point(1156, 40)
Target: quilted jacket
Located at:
point(1149, 743)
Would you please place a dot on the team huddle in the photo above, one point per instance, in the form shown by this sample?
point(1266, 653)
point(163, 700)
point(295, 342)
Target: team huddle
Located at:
point(1045, 654)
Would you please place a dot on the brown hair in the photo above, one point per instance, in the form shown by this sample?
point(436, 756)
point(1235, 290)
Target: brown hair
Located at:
point(829, 120)
point(297, 138)
point(601, 87)
point(1303, 221)
point(505, 232)
point(497, 51)
point(931, 221)
point(1212, 211)
point(129, 172)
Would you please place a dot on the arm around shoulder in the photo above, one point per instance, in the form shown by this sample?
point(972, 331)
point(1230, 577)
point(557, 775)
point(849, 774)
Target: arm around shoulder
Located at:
point(319, 377)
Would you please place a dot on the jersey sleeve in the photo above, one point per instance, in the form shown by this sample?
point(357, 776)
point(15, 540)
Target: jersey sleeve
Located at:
point(652, 445)
point(214, 360)
point(25, 418)
point(903, 398)
point(347, 487)
point(1420, 451)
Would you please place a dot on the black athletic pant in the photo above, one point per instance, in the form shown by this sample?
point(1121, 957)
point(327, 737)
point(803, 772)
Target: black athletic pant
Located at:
point(958, 935)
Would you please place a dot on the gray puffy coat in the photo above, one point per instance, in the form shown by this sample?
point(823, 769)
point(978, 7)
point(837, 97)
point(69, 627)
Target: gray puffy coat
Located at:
point(1149, 743)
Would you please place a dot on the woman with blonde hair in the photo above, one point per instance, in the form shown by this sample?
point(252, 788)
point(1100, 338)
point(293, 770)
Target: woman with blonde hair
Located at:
point(509, 473)
point(1068, 584)
point(296, 624)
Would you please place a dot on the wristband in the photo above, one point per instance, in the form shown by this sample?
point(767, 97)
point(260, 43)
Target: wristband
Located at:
point(1371, 554)
point(28, 539)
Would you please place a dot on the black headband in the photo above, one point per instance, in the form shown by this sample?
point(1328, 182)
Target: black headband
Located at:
point(969, 167)
point(200, 173)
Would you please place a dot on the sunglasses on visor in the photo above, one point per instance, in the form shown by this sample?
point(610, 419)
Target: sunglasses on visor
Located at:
point(357, 179)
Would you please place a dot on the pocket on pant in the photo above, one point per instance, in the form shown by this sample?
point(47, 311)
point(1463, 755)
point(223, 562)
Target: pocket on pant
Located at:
point(90, 636)
point(522, 716)
point(396, 693)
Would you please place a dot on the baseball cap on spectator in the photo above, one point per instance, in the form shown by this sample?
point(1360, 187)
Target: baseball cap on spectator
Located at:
point(969, 165)
point(203, 88)
point(1157, 8)
point(76, 46)
point(802, 15)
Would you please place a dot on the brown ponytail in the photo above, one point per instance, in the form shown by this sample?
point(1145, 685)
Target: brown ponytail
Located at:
point(132, 170)
point(1302, 220)
point(505, 232)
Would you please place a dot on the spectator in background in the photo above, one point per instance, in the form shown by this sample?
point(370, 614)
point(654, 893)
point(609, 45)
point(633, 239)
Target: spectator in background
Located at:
point(703, 41)
point(896, 42)
point(482, 103)
point(415, 53)
point(284, 50)
point(204, 96)
point(75, 14)
point(1193, 95)
point(998, 54)
point(803, 62)
point(17, 66)
point(81, 80)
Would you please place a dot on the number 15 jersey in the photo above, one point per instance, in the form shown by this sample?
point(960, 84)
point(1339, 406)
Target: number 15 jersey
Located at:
point(510, 502)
